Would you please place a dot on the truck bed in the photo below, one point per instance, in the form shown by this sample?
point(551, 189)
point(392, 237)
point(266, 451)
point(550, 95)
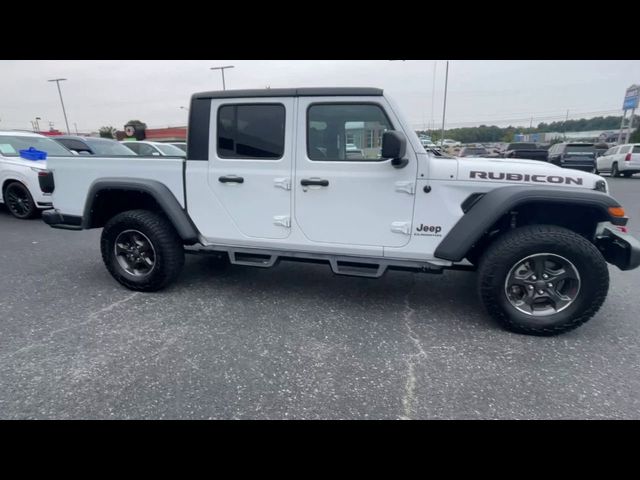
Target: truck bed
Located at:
point(80, 173)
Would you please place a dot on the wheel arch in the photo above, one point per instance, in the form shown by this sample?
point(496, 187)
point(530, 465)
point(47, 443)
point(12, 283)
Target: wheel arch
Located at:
point(577, 209)
point(108, 197)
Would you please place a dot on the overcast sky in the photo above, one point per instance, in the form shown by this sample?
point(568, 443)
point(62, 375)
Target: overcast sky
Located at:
point(99, 93)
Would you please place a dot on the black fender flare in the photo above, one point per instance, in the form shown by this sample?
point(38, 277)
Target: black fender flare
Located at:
point(157, 190)
point(486, 211)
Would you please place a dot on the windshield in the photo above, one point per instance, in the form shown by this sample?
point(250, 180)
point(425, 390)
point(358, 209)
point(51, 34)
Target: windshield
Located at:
point(10, 146)
point(581, 150)
point(522, 146)
point(475, 151)
point(109, 147)
point(170, 150)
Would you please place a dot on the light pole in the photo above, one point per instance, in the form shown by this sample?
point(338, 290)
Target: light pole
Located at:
point(224, 87)
point(58, 80)
point(38, 124)
point(444, 108)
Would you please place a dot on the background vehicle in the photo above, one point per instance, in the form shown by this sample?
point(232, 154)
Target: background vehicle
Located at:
point(620, 160)
point(579, 156)
point(268, 178)
point(473, 152)
point(600, 149)
point(19, 189)
point(528, 151)
point(94, 146)
point(154, 149)
point(181, 145)
point(353, 151)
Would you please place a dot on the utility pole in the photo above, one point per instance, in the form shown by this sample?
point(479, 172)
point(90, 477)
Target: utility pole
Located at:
point(432, 124)
point(224, 87)
point(444, 107)
point(58, 80)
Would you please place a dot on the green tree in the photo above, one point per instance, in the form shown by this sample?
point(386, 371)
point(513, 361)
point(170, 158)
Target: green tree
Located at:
point(635, 136)
point(107, 132)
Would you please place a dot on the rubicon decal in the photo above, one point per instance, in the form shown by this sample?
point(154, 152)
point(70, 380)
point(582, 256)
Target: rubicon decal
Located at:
point(429, 230)
point(520, 177)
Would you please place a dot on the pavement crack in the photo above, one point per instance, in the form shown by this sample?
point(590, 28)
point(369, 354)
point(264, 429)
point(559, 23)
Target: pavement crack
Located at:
point(408, 399)
point(90, 318)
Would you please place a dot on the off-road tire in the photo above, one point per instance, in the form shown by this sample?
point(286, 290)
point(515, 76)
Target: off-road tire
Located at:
point(29, 205)
point(167, 245)
point(518, 244)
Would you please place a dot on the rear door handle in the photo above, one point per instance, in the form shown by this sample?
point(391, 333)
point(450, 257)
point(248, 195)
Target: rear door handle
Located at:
point(305, 182)
point(231, 179)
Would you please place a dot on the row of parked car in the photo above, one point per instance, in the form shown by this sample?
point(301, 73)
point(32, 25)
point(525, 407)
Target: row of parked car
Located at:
point(617, 160)
point(23, 158)
point(108, 147)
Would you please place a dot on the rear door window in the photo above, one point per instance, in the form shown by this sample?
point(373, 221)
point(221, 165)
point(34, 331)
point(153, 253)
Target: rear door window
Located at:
point(253, 132)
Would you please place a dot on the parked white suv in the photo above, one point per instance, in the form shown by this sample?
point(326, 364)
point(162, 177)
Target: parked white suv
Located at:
point(620, 160)
point(154, 149)
point(19, 189)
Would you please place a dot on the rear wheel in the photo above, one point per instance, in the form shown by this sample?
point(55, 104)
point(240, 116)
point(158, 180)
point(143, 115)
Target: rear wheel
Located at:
point(19, 201)
point(542, 280)
point(142, 250)
point(614, 170)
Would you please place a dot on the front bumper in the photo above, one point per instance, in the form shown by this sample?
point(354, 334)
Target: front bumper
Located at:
point(618, 248)
point(55, 219)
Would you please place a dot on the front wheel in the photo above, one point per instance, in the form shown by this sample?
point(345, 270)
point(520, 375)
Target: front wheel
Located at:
point(542, 280)
point(142, 250)
point(19, 201)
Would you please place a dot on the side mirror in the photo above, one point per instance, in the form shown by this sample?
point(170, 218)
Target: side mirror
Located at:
point(84, 152)
point(394, 146)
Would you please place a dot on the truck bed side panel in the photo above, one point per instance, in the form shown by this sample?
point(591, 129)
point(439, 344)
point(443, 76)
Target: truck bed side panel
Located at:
point(75, 175)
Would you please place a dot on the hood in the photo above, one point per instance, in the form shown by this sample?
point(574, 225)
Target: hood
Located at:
point(517, 171)
point(23, 162)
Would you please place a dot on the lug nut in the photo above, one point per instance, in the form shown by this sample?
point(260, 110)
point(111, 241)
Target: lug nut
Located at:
point(530, 287)
point(540, 292)
point(545, 276)
point(550, 285)
point(534, 278)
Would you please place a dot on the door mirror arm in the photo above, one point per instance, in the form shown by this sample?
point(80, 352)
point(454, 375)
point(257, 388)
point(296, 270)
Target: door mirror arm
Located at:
point(399, 162)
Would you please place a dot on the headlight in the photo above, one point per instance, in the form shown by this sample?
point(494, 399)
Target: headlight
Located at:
point(601, 185)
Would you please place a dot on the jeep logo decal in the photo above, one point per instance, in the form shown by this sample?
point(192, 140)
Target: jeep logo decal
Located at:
point(519, 177)
point(429, 230)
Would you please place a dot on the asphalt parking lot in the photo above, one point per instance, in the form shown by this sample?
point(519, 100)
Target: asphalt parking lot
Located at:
point(292, 342)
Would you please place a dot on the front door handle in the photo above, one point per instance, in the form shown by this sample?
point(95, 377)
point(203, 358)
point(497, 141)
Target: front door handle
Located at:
point(305, 182)
point(230, 179)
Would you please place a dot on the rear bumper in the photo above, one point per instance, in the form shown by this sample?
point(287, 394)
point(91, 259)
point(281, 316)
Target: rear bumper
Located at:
point(618, 248)
point(55, 219)
point(586, 166)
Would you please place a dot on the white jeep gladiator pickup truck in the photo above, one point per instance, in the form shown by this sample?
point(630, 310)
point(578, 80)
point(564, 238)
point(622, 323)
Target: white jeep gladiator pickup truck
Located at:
point(268, 176)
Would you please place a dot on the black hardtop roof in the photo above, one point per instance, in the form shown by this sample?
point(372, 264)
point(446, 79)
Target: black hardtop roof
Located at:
point(292, 92)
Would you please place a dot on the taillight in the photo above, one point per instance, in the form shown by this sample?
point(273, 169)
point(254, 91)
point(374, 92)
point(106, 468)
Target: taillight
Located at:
point(45, 179)
point(627, 158)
